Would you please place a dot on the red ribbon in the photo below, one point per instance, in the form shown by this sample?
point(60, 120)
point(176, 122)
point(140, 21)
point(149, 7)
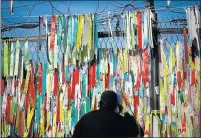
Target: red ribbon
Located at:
point(107, 77)
point(94, 75)
point(56, 75)
point(21, 123)
point(185, 46)
point(90, 78)
point(139, 29)
point(193, 77)
point(146, 66)
point(22, 85)
point(172, 99)
point(73, 84)
point(136, 103)
point(77, 75)
point(137, 86)
point(184, 123)
point(31, 89)
point(179, 79)
point(27, 101)
point(16, 83)
point(2, 86)
point(52, 33)
point(58, 109)
point(14, 120)
point(8, 109)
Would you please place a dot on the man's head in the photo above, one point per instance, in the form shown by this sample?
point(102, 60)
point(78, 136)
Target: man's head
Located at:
point(109, 100)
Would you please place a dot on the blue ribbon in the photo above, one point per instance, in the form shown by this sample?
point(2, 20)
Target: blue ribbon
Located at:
point(60, 24)
point(69, 34)
point(88, 104)
point(75, 30)
point(141, 93)
point(67, 74)
point(38, 109)
point(74, 114)
point(84, 85)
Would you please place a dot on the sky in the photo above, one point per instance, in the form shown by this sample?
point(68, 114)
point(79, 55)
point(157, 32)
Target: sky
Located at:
point(44, 7)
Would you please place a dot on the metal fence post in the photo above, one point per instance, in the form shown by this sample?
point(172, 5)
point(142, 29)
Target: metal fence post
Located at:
point(155, 94)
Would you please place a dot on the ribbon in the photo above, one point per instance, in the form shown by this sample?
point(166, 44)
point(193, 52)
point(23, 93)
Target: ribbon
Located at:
point(17, 54)
point(70, 33)
point(40, 32)
point(128, 39)
point(185, 45)
point(12, 60)
point(31, 87)
point(145, 74)
point(11, 6)
point(148, 39)
point(75, 30)
point(21, 123)
point(86, 31)
point(133, 30)
point(5, 58)
point(44, 77)
point(65, 33)
point(56, 75)
point(79, 31)
point(139, 30)
point(56, 53)
point(52, 39)
point(59, 30)
point(89, 36)
point(40, 77)
point(193, 15)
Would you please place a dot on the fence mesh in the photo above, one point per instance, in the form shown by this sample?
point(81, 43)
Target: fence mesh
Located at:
point(24, 29)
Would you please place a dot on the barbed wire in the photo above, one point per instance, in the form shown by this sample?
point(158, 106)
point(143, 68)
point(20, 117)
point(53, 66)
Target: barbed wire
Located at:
point(119, 8)
point(53, 8)
point(16, 7)
point(97, 7)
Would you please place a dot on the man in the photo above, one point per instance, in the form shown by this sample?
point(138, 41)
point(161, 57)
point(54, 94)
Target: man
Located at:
point(107, 122)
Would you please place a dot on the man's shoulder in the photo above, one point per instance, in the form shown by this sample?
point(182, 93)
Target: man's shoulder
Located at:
point(91, 113)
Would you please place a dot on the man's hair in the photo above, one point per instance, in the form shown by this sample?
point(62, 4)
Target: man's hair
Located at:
point(108, 100)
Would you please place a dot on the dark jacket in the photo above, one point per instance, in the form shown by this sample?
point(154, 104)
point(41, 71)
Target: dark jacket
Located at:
point(104, 123)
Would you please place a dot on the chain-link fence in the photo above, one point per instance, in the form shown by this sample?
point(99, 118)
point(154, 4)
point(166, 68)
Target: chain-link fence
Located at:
point(114, 39)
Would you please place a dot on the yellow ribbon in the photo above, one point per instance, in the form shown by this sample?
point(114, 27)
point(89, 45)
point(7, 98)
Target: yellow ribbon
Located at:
point(79, 31)
point(30, 114)
point(42, 123)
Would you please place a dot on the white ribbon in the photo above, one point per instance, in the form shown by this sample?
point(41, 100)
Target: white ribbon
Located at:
point(193, 20)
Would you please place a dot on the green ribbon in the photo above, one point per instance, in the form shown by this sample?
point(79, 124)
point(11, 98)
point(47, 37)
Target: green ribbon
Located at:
point(69, 33)
point(11, 59)
point(5, 54)
point(59, 33)
point(181, 96)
